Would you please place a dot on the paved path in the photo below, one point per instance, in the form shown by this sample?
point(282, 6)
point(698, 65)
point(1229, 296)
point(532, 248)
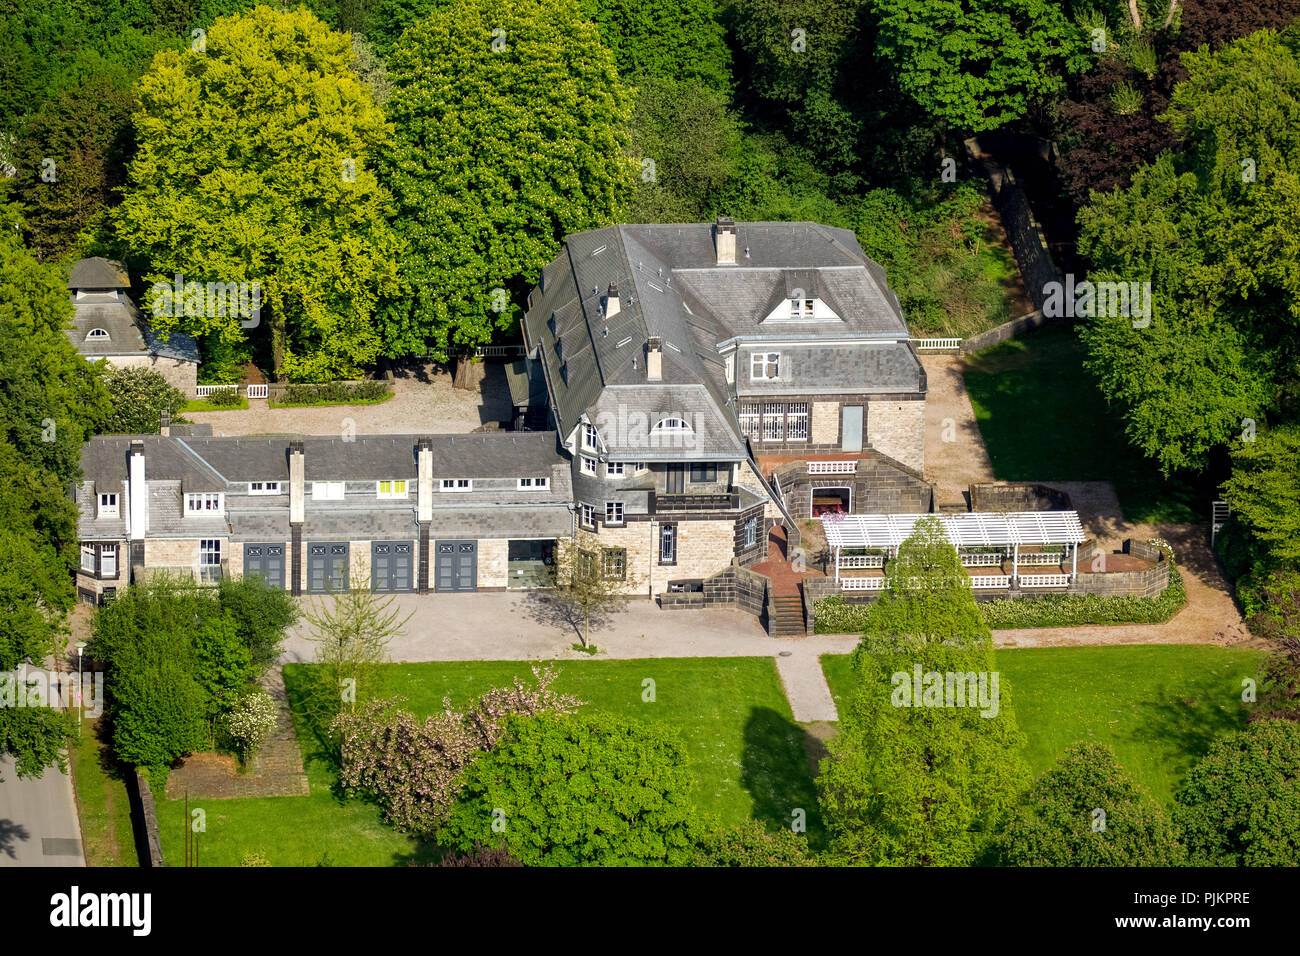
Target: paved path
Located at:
point(38, 819)
point(522, 626)
point(423, 403)
point(955, 456)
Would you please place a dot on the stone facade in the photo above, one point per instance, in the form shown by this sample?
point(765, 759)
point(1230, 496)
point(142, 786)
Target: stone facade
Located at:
point(732, 587)
point(878, 486)
point(825, 427)
point(704, 547)
point(178, 373)
point(1017, 496)
point(897, 429)
point(493, 564)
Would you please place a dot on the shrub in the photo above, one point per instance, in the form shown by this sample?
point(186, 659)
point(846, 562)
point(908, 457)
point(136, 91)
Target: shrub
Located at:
point(250, 721)
point(335, 393)
point(1077, 610)
point(578, 789)
point(139, 396)
point(751, 844)
point(262, 614)
point(480, 856)
point(413, 769)
point(224, 397)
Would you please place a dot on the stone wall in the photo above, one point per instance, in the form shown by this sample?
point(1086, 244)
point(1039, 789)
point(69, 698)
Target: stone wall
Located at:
point(897, 429)
point(1017, 496)
point(734, 587)
point(146, 818)
point(878, 486)
point(178, 373)
point(1012, 329)
point(704, 547)
point(825, 426)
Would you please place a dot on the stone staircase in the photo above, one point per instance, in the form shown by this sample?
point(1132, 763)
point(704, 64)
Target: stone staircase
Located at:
point(786, 619)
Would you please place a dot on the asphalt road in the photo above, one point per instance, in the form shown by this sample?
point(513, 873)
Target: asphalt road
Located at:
point(38, 820)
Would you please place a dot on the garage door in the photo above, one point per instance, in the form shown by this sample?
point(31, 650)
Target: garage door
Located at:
point(392, 566)
point(266, 561)
point(456, 566)
point(327, 566)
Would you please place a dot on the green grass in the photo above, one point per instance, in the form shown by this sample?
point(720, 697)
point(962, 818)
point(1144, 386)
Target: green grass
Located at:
point(746, 752)
point(102, 801)
point(203, 405)
point(1044, 419)
point(1157, 706)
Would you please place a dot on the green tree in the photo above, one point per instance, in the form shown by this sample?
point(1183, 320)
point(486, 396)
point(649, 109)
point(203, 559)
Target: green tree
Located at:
point(578, 789)
point(751, 844)
point(505, 143)
point(140, 396)
point(1241, 803)
point(1263, 491)
point(979, 64)
point(262, 615)
point(270, 133)
point(1085, 811)
point(223, 664)
point(677, 39)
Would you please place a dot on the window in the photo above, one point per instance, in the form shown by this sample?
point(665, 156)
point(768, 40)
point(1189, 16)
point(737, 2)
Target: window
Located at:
point(704, 471)
point(588, 465)
point(796, 421)
point(613, 563)
point(641, 466)
point(615, 469)
point(97, 335)
point(327, 491)
point(587, 516)
point(88, 558)
point(204, 504)
point(668, 544)
point(764, 365)
point(749, 420)
point(209, 560)
point(265, 487)
point(585, 565)
point(108, 560)
point(801, 308)
point(773, 421)
point(613, 512)
point(457, 484)
point(672, 425)
point(390, 488)
point(534, 484)
point(590, 438)
point(751, 531)
point(108, 505)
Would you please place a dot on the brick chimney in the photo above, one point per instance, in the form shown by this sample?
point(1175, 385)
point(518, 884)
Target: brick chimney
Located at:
point(654, 360)
point(724, 239)
point(612, 304)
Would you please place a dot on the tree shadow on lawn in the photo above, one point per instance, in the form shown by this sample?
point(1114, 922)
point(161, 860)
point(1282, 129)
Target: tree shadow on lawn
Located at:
point(1186, 727)
point(774, 771)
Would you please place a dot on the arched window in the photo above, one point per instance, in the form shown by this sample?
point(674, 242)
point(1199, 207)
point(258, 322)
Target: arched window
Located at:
point(672, 425)
point(97, 334)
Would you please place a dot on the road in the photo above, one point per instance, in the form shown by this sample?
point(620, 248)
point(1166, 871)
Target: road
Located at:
point(38, 819)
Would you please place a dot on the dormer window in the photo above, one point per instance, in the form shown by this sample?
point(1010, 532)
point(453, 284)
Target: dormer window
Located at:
point(327, 490)
point(395, 488)
point(801, 308)
point(456, 484)
point(590, 438)
point(764, 365)
point(97, 335)
point(108, 505)
point(534, 484)
point(672, 425)
point(204, 504)
point(263, 487)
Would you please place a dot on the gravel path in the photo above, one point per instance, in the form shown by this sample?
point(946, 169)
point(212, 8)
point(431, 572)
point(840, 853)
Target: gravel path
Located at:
point(423, 402)
point(955, 456)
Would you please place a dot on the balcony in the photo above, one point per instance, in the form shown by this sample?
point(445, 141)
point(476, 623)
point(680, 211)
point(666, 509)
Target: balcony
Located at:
point(660, 503)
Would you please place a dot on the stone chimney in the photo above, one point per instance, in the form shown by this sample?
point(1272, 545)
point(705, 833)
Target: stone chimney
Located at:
point(612, 305)
point(424, 485)
point(654, 360)
point(297, 484)
point(137, 523)
point(724, 239)
point(165, 427)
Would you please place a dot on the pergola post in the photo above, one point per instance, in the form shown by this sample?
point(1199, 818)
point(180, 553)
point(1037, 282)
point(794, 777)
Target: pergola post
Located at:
point(837, 564)
point(1015, 562)
point(1074, 561)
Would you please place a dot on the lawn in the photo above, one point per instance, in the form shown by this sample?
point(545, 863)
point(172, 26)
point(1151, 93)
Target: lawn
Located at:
point(102, 801)
point(203, 405)
point(1157, 706)
point(1043, 418)
point(746, 752)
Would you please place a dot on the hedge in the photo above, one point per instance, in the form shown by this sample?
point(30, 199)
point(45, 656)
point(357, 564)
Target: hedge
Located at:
point(335, 393)
point(834, 615)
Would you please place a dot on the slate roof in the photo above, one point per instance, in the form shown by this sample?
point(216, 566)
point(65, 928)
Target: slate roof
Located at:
point(670, 286)
point(128, 330)
point(98, 273)
point(819, 370)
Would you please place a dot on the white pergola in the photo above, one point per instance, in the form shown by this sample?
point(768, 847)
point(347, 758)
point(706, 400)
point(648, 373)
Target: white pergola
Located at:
point(972, 529)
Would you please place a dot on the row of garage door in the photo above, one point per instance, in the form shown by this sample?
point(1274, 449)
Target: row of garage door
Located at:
point(392, 565)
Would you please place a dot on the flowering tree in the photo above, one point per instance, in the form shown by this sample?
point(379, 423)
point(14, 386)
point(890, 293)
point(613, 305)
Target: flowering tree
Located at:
point(413, 769)
point(250, 720)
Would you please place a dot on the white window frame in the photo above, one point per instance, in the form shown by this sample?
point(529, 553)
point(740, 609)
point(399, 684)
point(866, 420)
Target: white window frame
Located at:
point(534, 484)
point(614, 513)
point(454, 485)
point(796, 421)
point(105, 550)
point(266, 487)
point(590, 437)
point(751, 420)
point(392, 491)
point(108, 509)
point(586, 515)
point(615, 469)
point(759, 363)
point(98, 335)
point(328, 490)
point(205, 503)
point(751, 531)
point(588, 465)
point(641, 467)
point(88, 552)
point(209, 557)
